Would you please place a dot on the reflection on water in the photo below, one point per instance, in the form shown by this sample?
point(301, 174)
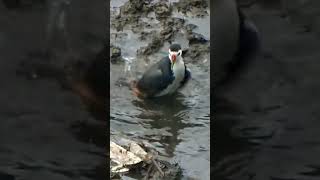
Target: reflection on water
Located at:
point(167, 113)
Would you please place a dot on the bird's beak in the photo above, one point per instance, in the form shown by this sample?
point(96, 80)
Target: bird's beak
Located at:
point(173, 58)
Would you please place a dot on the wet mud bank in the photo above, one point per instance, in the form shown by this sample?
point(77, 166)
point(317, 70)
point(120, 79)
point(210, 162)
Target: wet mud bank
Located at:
point(51, 54)
point(158, 22)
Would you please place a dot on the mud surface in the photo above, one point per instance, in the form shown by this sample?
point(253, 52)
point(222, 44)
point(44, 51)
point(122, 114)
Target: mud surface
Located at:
point(46, 130)
point(267, 124)
point(176, 126)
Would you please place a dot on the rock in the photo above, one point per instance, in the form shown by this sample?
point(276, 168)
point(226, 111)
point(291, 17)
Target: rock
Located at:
point(127, 155)
point(196, 7)
point(118, 35)
point(121, 158)
point(178, 22)
point(190, 27)
point(132, 7)
point(147, 35)
point(115, 54)
point(143, 36)
point(196, 38)
point(136, 28)
point(196, 51)
point(162, 10)
point(130, 12)
point(199, 12)
point(151, 48)
point(198, 3)
point(166, 30)
point(172, 24)
point(167, 37)
point(166, 33)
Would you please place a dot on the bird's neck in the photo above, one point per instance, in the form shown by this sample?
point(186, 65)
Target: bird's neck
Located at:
point(179, 64)
point(178, 60)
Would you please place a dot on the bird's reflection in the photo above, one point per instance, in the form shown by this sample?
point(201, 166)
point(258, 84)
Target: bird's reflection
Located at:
point(167, 112)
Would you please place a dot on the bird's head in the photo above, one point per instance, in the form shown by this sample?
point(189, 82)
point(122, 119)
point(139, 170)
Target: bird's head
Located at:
point(175, 52)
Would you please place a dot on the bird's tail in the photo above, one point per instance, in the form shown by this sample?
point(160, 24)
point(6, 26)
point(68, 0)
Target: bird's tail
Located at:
point(133, 84)
point(135, 89)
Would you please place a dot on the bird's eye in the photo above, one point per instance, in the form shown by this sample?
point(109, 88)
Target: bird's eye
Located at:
point(179, 53)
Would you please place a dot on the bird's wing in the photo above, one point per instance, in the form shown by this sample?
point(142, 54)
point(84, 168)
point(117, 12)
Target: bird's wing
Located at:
point(156, 78)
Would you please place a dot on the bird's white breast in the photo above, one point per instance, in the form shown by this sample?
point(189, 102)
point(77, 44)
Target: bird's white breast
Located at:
point(179, 73)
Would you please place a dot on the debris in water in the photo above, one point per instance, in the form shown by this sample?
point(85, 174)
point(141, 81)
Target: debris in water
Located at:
point(127, 156)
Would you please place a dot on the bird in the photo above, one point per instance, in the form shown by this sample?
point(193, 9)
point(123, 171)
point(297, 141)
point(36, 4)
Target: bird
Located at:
point(164, 77)
point(236, 40)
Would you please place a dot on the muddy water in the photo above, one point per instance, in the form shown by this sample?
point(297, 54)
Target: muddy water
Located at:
point(267, 120)
point(177, 126)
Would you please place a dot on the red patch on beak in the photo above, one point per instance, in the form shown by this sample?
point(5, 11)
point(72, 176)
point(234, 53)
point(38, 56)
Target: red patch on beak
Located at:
point(173, 58)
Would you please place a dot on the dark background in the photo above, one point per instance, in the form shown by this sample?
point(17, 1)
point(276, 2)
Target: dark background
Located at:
point(267, 116)
point(48, 129)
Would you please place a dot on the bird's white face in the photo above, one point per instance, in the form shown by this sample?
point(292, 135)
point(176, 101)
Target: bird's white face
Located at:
point(173, 56)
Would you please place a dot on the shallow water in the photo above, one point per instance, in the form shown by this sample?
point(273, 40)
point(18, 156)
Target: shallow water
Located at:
point(178, 125)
